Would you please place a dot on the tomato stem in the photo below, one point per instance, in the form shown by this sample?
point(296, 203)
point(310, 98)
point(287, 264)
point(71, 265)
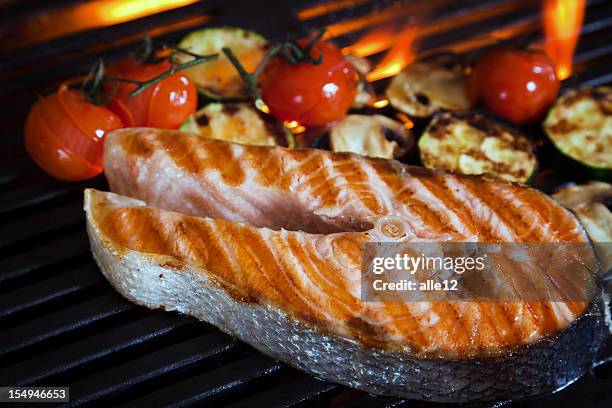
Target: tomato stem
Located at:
point(145, 53)
point(91, 88)
point(308, 48)
point(143, 85)
point(250, 80)
point(289, 50)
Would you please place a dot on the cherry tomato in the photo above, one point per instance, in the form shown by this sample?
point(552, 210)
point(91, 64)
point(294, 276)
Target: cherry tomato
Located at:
point(64, 134)
point(515, 84)
point(165, 105)
point(312, 95)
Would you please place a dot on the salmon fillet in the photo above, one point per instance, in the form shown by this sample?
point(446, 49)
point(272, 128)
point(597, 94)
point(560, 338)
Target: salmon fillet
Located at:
point(323, 192)
point(294, 295)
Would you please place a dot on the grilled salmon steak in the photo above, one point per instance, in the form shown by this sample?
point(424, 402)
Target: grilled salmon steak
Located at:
point(266, 243)
point(321, 192)
point(295, 296)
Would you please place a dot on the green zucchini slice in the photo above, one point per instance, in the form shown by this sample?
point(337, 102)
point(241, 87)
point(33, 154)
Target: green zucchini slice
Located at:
point(371, 135)
point(580, 126)
point(239, 123)
point(219, 79)
point(471, 143)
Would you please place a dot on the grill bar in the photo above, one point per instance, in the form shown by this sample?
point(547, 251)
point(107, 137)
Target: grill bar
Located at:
point(371, 401)
point(124, 376)
point(66, 325)
point(288, 394)
point(61, 322)
point(229, 378)
point(36, 258)
point(92, 348)
point(41, 191)
point(41, 292)
point(41, 222)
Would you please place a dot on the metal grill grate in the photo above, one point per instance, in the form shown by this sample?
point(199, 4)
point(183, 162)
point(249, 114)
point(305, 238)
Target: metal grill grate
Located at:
point(62, 324)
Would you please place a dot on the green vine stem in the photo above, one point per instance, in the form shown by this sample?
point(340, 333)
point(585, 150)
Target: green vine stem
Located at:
point(143, 85)
point(289, 50)
point(250, 80)
point(92, 85)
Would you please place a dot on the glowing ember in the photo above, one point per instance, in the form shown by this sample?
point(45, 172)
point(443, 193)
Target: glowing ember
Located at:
point(298, 129)
point(261, 105)
point(294, 127)
point(381, 103)
point(408, 123)
point(399, 56)
point(562, 22)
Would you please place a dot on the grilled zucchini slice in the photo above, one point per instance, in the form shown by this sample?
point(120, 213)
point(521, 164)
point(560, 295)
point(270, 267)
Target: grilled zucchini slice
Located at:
point(471, 143)
point(219, 79)
point(426, 86)
point(371, 135)
point(580, 127)
point(240, 123)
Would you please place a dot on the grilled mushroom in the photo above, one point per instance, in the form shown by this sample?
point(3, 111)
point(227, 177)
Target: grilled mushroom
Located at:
point(590, 202)
point(427, 86)
point(371, 135)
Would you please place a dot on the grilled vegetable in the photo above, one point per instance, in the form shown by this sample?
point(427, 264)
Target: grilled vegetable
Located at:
point(474, 144)
point(580, 127)
point(590, 204)
point(164, 105)
point(430, 85)
point(310, 93)
point(371, 135)
point(238, 123)
point(219, 79)
point(64, 134)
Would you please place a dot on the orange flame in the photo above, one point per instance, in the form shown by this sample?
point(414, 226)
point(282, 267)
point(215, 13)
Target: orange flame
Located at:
point(372, 43)
point(399, 56)
point(114, 11)
point(562, 22)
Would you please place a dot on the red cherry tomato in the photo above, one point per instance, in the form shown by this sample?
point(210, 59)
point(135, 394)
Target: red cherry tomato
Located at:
point(165, 105)
point(312, 95)
point(515, 84)
point(64, 134)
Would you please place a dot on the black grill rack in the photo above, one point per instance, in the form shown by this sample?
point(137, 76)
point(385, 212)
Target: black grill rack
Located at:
point(62, 324)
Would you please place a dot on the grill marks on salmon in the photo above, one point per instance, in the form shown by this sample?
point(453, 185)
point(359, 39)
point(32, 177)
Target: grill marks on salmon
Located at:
point(314, 279)
point(323, 192)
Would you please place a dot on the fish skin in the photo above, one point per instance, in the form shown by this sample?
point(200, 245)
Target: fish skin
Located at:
point(165, 273)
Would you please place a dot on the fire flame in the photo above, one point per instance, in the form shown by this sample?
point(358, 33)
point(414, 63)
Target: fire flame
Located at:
point(562, 22)
point(399, 56)
point(372, 43)
point(115, 11)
